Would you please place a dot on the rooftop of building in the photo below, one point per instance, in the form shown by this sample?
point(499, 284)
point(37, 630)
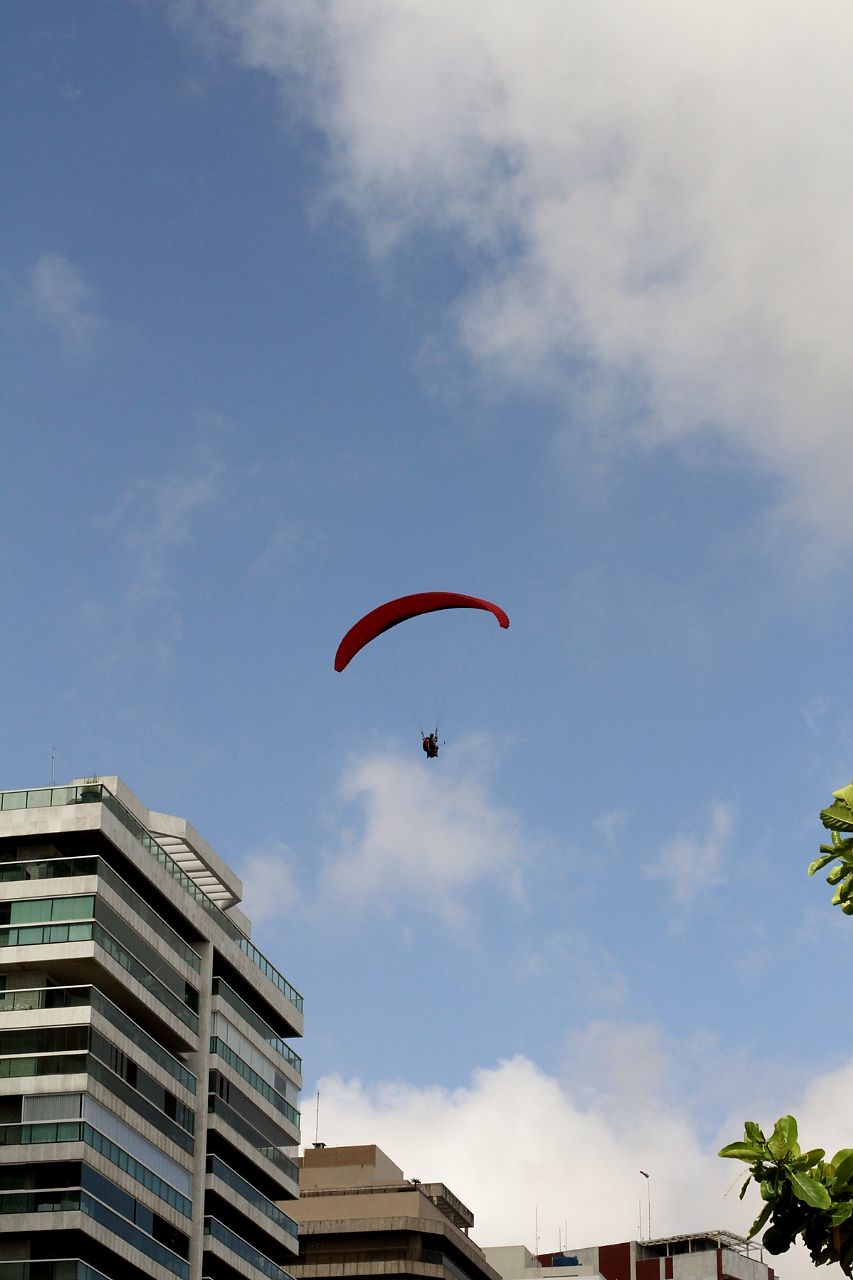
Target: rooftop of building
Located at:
point(367, 1170)
point(683, 1251)
point(177, 837)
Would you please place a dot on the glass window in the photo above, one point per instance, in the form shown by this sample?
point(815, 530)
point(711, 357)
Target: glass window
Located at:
point(27, 937)
point(30, 910)
point(76, 908)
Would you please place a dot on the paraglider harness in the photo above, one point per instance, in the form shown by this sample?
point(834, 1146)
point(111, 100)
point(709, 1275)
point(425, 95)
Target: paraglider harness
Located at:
point(429, 743)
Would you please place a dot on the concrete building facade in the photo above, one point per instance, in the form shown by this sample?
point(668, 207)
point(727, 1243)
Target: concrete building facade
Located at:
point(360, 1217)
point(707, 1255)
point(148, 1091)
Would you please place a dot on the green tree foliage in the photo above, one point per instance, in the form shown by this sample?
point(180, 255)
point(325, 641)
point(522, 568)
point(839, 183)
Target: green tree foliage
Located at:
point(838, 818)
point(805, 1194)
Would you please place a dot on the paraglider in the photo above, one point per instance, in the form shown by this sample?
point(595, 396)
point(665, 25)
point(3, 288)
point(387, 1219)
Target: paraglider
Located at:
point(392, 613)
point(396, 611)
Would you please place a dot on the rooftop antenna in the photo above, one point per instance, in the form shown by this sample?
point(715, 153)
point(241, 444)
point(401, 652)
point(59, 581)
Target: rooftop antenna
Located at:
point(317, 1143)
point(537, 1230)
point(53, 766)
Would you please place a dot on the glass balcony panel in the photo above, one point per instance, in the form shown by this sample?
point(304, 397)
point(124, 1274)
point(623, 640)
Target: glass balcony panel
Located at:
point(38, 799)
point(134, 1237)
point(250, 1134)
point(119, 1019)
point(214, 1228)
point(49, 1269)
point(252, 1078)
point(248, 1014)
point(48, 869)
point(219, 1169)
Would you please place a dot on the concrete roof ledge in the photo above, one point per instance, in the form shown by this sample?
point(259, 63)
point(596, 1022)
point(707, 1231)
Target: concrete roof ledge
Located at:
point(186, 846)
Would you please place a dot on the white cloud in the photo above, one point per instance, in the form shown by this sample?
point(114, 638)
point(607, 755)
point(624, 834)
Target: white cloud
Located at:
point(588, 969)
point(516, 1144)
point(62, 298)
point(611, 825)
point(650, 201)
point(692, 864)
point(424, 834)
point(149, 529)
point(269, 884)
point(159, 513)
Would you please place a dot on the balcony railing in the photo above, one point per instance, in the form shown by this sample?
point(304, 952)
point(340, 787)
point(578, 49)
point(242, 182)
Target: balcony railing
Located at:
point(49, 1131)
point(219, 1169)
point(73, 1199)
point(236, 1063)
point(227, 993)
point(76, 997)
point(214, 1228)
point(64, 868)
point(250, 1134)
point(49, 1269)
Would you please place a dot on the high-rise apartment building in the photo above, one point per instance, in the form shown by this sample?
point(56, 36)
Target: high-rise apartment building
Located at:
point(148, 1090)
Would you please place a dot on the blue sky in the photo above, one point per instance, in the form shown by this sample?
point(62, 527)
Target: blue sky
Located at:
point(306, 306)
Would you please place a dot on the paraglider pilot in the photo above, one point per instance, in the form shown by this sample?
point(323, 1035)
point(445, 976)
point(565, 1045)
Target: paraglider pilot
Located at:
point(430, 746)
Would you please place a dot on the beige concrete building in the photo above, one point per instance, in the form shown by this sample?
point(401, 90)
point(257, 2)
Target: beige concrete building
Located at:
point(148, 1090)
point(360, 1217)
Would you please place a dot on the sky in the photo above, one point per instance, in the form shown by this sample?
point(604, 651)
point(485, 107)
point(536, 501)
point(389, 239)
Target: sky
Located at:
point(309, 304)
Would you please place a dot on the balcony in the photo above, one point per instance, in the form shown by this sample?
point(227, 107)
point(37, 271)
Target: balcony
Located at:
point(74, 997)
point(233, 1250)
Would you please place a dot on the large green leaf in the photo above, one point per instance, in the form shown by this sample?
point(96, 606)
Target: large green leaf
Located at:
point(808, 1189)
point(838, 817)
point(845, 887)
point(841, 1212)
point(741, 1151)
point(810, 1158)
point(752, 1133)
point(821, 862)
point(843, 1163)
point(783, 1139)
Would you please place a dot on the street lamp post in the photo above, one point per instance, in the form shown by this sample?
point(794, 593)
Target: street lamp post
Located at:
point(648, 1178)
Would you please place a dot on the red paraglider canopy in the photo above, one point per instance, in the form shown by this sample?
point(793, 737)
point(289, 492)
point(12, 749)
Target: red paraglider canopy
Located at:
point(395, 611)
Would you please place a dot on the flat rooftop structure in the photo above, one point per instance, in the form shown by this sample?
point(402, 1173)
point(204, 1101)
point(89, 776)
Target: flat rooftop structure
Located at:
point(359, 1216)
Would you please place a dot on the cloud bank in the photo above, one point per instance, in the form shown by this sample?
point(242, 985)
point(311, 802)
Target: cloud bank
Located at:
point(648, 203)
point(519, 1145)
